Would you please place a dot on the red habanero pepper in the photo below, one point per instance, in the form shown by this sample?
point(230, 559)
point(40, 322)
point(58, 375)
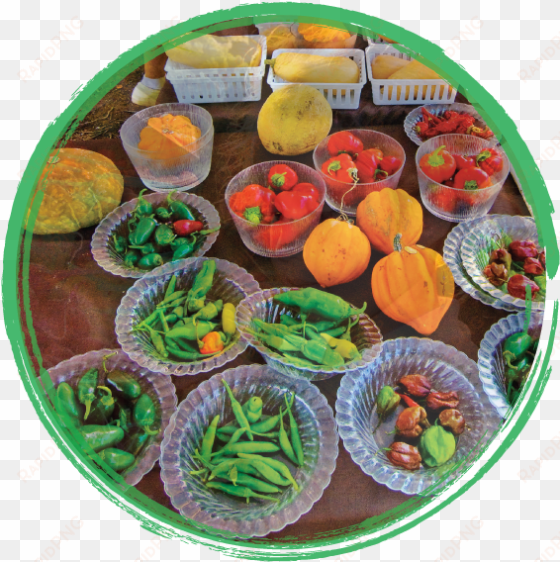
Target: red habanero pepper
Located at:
point(255, 204)
point(366, 164)
point(212, 343)
point(344, 142)
point(307, 189)
point(438, 165)
point(471, 179)
point(390, 164)
point(341, 168)
point(490, 161)
point(464, 161)
point(295, 205)
point(186, 227)
point(282, 177)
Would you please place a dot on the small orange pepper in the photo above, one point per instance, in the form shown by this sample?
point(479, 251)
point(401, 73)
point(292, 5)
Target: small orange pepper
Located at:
point(212, 343)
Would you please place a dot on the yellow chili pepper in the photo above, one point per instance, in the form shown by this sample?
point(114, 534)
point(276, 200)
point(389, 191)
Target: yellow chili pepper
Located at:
point(228, 319)
point(346, 348)
point(212, 343)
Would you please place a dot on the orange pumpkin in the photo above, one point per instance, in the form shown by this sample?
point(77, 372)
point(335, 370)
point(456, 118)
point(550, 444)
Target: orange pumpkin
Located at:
point(168, 136)
point(413, 285)
point(384, 214)
point(336, 252)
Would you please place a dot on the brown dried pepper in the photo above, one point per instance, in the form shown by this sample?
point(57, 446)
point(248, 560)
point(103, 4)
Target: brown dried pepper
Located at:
point(453, 420)
point(416, 385)
point(440, 400)
point(404, 455)
point(411, 422)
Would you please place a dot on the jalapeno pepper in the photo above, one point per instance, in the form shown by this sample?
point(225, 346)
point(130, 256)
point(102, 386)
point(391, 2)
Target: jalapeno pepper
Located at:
point(116, 459)
point(144, 414)
point(131, 258)
point(122, 416)
point(67, 405)
point(101, 436)
point(179, 209)
point(146, 249)
point(150, 261)
point(102, 407)
point(143, 208)
point(86, 390)
point(163, 235)
point(134, 441)
point(163, 213)
point(144, 229)
point(119, 243)
point(123, 384)
point(185, 249)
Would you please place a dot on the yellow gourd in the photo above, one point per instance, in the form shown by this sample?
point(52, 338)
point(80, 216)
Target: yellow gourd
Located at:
point(415, 70)
point(385, 65)
point(336, 252)
point(300, 67)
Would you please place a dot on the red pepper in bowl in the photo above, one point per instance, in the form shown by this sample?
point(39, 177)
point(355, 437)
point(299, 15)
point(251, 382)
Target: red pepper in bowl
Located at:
point(279, 234)
point(366, 164)
point(344, 142)
point(390, 164)
point(307, 189)
point(521, 249)
point(186, 227)
point(516, 286)
point(471, 179)
point(341, 168)
point(255, 204)
point(295, 205)
point(533, 266)
point(490, 161)
point(281, 176)
point(438, 165)
point(464, 161)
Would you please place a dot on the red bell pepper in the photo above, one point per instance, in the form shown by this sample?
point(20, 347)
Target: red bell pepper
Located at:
point(341, 168)
point(377, 153)
point(186, 227)
point(366, 164)
point(471, 179)
point(490, 161)
point(344, 142)
point(464, 161)
point(282, 177)
point(295, 205)
point(439, 165)
point(443, 200)
point(280, 234)
point(390, 164)
point(255, 204)
point(307, 189)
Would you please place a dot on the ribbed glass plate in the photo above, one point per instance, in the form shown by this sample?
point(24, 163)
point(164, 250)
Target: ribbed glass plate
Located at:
point(452, 257)
point(159, 387)
point(231, 284)
point(476, 247)
point(491, 367)
point(365, 335)
point(187, 427)
point(447, 369)
point(102, 244)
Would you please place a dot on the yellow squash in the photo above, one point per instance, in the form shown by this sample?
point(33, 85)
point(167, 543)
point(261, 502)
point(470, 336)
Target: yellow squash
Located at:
point(415, 70)
point(385, 65)
point(413, 285)
point(300, 67)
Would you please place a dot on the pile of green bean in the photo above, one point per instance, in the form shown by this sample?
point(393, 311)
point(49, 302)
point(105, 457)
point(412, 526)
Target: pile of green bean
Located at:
point(120, 418)
point(187, 326)
point(239, 467)
point(322, 336)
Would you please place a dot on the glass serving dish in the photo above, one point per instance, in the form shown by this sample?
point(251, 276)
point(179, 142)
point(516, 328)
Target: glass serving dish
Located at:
point(354, 195)
point(226, 514)
point(491, 366)
point(115, 223)
point(447, 369)
point(476, 248)
point(415, 116)
point(231, 284)
point(365, 335)
point(458, 205)
point(181, 170)
point(452, 257)
point(159, 387)
point(276, 240)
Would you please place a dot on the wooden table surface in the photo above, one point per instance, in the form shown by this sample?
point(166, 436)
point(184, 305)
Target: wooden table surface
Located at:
point(74, 301)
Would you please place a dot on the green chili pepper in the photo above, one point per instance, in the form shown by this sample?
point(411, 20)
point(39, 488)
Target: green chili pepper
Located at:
point(284, 441)
point(178, 311)
point(179, 209)
point(86, 390)
point(67, 405)
point(170, 289)
point(143, 207)
point(278, 466)
point(122, 415)
point(158, 342)
point(288, 320)
point(144, 229)
point(202, 284)
point(163, 213)
point(437, 445)
point(131, 258)
point(144, 414)
point(253, 483)
point(335, 332)
point(171, 299)
point(209, 437)
point(294, 432)
point(102, 407)
point(239, 491)
point(183, 354)
point(134, 441)
point(184, 251)
point(116, 459)
point(523, 363)
point(119, 243)
point(266, 425)
point(180, 241)
point(164, 235)
point(101, 436)
point(280, 330)
point(248, 447)
point(253, 409)
point(320, 352)
point(279, 343)
point(150, 261)
point(123, 384)
point(191, 331)
point(209, 311)
point(238, 411)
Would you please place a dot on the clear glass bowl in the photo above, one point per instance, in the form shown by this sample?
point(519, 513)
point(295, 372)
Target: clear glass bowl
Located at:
point(159, 387)
point(336, 190)
point(302, 43)
point(491, 367)
point(415, 116)
point(452, 257)
point(102, 244)
point(226, 514)
point(365, 335)
point(231, 284)
point(180, 172)
point(458, 205)
point(447, 369)
point(275, 240)
point(475, 251)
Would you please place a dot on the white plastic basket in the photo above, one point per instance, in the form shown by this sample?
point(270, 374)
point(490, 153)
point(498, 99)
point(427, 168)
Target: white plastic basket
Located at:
point(217, 85)
point(402, 92)
point(333, 93)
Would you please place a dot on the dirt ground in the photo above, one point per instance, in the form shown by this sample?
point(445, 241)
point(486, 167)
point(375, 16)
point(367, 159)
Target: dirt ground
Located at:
point(107, 117)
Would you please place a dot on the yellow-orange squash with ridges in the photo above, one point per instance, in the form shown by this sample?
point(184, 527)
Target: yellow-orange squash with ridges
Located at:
point(413, 285)
point(336, 252)
point(384, 214)
point(168, 136)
